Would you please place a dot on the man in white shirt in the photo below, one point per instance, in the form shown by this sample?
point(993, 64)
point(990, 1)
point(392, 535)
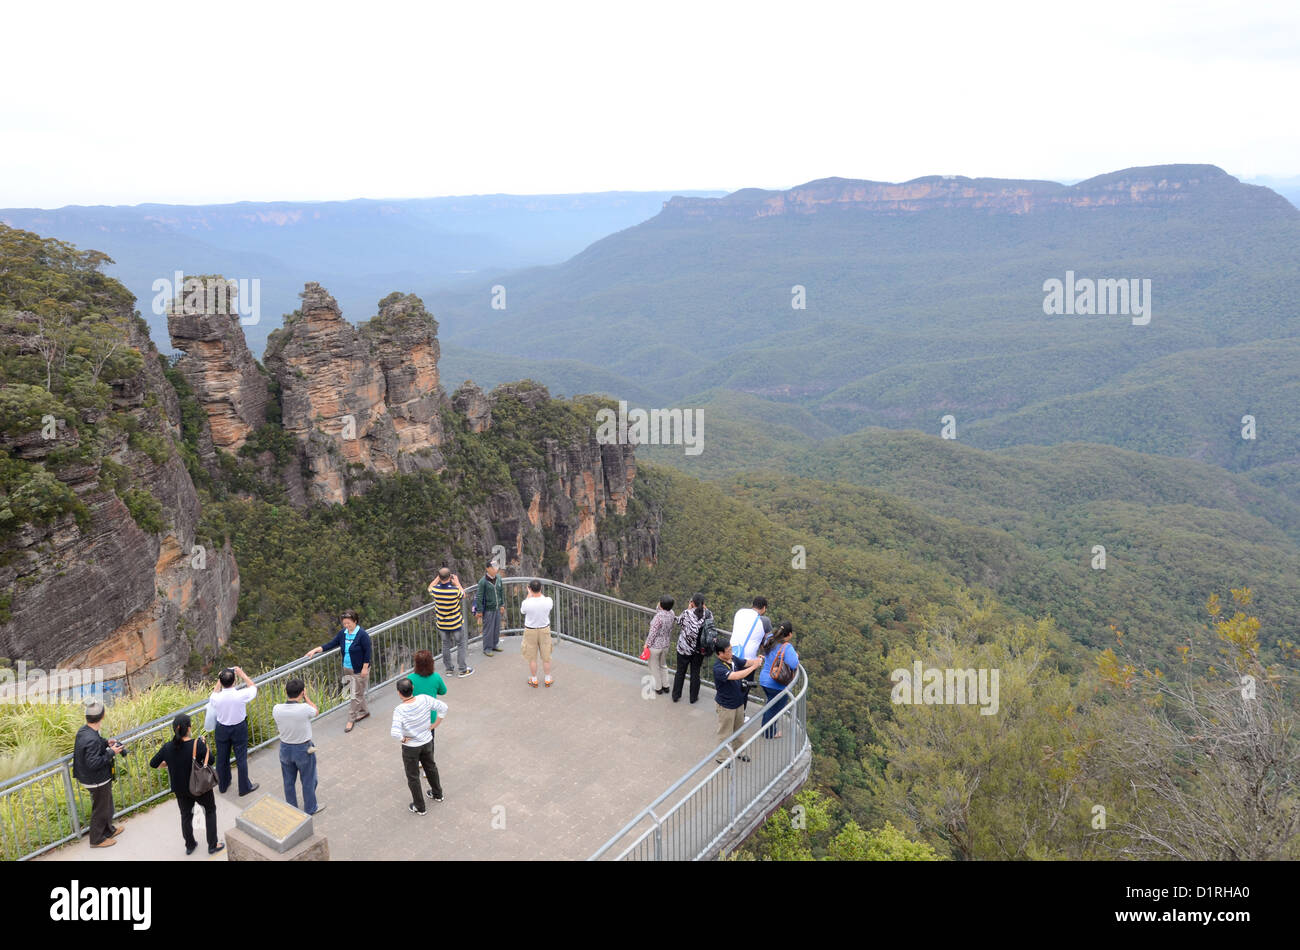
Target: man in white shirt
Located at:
point(297, 752)
point(411, 725)
point(536, 609)
point(229, 706)
point(749, 627)
point(748, 630)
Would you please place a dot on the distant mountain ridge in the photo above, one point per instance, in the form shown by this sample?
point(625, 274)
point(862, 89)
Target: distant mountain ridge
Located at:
point(363, 247)
point(868, 303)
point(1150, 186)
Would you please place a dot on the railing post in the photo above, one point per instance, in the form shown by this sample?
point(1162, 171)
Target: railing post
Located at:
point(72, 800)
point(731, 788)
point(659, 841)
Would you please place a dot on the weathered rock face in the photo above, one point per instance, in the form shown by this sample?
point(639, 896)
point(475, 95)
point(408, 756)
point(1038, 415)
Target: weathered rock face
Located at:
point(471, 403)
point(366, 401)
point(358, 399)
point(1136, 187)
point(108, 592)
point(404, 343)
point(223, 374)
point(550, 524)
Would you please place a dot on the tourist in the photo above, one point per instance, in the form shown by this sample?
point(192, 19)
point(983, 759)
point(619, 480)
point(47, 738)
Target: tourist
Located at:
point(92, 765)
point(230, 707)
point(412, 724)
point(448, 601)
point(748, 628)
point(297, 751)
point(353, 644)
point(536, 609)
point(178, 756)
point(429, 683)
point(779, 663)
point(695, 619)
point(656, 641)
point(729, 694)
point(490, 609)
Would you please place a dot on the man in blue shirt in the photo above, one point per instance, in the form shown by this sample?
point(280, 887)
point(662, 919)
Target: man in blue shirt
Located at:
point(729, 695)
point(354, 643)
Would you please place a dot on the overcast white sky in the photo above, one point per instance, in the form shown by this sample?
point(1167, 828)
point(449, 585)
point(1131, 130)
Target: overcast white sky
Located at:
point(119, 104)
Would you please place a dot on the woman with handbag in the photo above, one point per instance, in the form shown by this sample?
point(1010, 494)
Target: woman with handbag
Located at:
point(779, 664)
point(189, 768)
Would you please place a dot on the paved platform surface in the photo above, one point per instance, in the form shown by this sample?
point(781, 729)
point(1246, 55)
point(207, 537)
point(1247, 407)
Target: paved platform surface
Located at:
point(526, 773)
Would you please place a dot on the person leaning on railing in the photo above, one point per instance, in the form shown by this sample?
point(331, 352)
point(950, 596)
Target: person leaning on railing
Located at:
point(92, 764)
point(354, 644)
point(780, 661)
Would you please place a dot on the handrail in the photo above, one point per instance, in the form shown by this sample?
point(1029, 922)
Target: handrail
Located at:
point(58, 806)
point(790, 710)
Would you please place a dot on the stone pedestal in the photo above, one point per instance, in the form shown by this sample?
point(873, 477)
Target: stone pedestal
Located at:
point(272, 830)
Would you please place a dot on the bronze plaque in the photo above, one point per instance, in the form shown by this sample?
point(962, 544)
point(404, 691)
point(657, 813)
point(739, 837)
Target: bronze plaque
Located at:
point(275, 823)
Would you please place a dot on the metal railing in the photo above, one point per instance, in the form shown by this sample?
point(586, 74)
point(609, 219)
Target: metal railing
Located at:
point(46, 807)
point(757, 758)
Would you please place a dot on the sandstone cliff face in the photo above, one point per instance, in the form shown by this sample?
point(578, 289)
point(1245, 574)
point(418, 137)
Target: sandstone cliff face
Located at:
point(471, 403)
point(109, 592)
point(1135, 187)
point(364, 402)
point(549, 525)
point(225, 378)
point(358, 399)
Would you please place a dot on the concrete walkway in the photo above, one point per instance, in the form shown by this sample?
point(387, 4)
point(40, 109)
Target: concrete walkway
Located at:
point(526, 773)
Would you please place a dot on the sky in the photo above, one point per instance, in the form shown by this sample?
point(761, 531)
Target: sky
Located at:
point(176, 103)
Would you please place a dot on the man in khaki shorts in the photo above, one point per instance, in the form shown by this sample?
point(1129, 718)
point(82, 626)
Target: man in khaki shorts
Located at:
point(537, 631)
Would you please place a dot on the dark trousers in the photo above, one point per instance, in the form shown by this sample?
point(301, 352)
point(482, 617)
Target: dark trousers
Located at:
point(101, 812)
point(770, 709)
point(412, 758)
point(235, 737)
point(209, 803)
point(491, 630)
point(683, 662)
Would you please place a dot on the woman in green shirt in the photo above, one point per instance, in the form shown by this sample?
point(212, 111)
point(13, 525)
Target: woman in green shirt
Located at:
point(427, 682)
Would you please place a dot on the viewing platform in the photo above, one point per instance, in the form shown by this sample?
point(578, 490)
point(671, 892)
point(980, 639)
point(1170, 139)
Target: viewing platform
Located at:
point(595, 766)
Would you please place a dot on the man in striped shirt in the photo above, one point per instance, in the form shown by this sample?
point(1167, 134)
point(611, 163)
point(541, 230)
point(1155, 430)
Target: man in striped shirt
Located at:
point(411, 725)
point(447, 598)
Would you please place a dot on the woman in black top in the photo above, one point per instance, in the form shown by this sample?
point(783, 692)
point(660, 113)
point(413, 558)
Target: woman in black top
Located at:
point(693, 620)
point(178, 756)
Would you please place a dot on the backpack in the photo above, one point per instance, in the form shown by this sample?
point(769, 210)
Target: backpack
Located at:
point(706, 642)
point(780, 672)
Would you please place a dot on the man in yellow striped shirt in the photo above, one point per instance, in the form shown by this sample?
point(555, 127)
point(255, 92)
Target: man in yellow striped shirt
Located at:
point(448, 597)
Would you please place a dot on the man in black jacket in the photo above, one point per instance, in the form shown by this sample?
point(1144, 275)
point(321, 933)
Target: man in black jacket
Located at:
point(92, 764)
